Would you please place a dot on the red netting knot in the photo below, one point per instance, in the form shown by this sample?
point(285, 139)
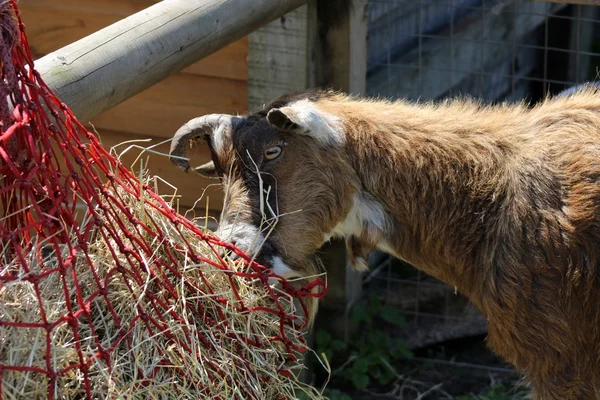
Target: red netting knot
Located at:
point(72, 321)
point(120, 268)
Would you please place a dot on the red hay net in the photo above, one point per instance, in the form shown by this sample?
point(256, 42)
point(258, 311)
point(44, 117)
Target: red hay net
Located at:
point(48, 164)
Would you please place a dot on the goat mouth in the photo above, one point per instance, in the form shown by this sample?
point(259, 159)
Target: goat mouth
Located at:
point(247, 238)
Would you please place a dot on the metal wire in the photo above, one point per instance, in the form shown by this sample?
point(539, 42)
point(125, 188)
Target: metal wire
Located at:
point(493, 49)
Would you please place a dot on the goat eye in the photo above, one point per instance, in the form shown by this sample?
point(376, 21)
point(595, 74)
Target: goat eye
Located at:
point(272, 153)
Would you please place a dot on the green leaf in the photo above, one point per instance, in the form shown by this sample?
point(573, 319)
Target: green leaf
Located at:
point(375, 303)
point(400, 350)
point(386, 376)
point(392, 315)
point(361, 365)
point(373, 358)
point(379, 341)
point(300, 395)
point(360, 381)
point(337, 345)
point(322, 338)
point(359, 313)
point(335, 394)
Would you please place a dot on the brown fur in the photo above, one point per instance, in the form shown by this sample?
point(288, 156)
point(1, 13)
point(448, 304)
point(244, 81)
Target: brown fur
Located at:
point(504, 204)
point(501, 202)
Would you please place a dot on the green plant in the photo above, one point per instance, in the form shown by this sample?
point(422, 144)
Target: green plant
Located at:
point(367, 357)
point(499, 392)
point(335, 394)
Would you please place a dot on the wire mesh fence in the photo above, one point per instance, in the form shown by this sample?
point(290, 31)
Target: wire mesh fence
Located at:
point(491, 49)
point(494, 50)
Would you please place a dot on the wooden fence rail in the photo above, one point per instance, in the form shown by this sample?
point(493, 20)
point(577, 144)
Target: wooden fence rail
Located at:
point(113, 64)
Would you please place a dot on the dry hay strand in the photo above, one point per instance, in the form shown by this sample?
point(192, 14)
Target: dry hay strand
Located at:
point(199, 344)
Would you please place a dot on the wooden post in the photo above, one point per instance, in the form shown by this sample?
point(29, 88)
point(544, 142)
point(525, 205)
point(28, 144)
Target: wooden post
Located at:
point(119, 61)
point(279, 56)
point(342, 61)
point(321, 44)
point(280, 61)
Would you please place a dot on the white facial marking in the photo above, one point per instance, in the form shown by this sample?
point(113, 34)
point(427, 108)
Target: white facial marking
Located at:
point(319, 124)
point(246, 237)
point(366, 214)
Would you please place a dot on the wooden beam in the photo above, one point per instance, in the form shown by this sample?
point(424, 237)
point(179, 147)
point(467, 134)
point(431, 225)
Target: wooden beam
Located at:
point(111, 65)
point(52, 24)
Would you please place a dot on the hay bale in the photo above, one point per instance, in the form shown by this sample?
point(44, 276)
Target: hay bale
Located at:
point(128, 299)
point(150, 351)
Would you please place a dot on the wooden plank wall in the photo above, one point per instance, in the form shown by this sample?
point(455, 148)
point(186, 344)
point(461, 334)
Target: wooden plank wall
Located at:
point(216, 84)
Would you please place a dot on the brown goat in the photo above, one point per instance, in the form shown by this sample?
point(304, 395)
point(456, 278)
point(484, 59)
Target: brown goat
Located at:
point(501, 202)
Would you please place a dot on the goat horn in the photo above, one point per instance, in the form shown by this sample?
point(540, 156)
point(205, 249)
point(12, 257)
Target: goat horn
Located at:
point(194, 129)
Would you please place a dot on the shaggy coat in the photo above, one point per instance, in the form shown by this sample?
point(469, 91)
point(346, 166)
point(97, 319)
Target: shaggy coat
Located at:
point(501, 202)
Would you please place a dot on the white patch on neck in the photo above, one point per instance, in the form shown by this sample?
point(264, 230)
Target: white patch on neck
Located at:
point(321, 125)
point(367, 214)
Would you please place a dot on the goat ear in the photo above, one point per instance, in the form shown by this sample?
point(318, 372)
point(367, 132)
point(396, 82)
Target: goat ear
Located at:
point(284, 118)
point(207, 170)
point(304, 118)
